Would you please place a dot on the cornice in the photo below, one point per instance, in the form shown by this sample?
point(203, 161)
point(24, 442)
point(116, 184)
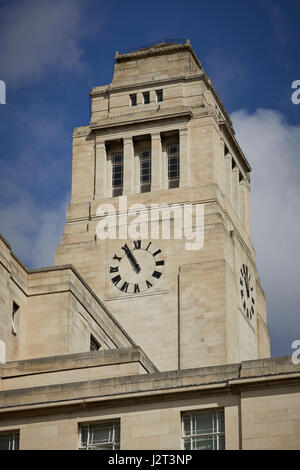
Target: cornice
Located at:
point(135, 120)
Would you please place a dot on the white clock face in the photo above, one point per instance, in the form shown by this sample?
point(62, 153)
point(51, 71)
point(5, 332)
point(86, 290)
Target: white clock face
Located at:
point(136, 267)
point(246, 290)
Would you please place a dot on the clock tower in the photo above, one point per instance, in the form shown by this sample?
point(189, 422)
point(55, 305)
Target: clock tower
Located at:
point(159, 141)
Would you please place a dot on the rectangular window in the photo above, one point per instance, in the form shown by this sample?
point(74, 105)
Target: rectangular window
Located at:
point(173, 165)
point(133, 100)
point(159, 96)
point(100, 436)
point(145, 170)
point(117, 174)
point(15, 309)
point(203, 430)
point(146, 97)
point(9, 441)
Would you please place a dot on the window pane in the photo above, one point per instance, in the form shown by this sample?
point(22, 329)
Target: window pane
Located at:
point(203, 423)
point(101, 434)
point(221, 443)
point(159, 95)
point(16, 439)
point(117, 170)
point(4, 442)
point(203, 443)
point(133, 100)
point(84, 435)
point(221, 422)
point(173, 167)
point(117, 158)
point(187, 425)
point(145, 168)
point(145, 153)
point(172, 149)
point(187, 444)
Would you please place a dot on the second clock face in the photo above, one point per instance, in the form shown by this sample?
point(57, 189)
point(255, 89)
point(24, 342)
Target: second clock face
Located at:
point(247, 295)
point(136, 267)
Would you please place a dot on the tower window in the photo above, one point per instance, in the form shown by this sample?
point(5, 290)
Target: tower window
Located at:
point(133, 100)
point(101, 436)
point(145, 170)
point(173, 165)
point(159, 95)
point(15, 309)
point(203, 430)
point(94, 345)
point(117, 174)
point(146, 97)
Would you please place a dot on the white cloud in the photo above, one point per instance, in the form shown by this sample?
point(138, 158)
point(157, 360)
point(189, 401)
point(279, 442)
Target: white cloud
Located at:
point(38, 34)
point(272, 148)
point(32, 231)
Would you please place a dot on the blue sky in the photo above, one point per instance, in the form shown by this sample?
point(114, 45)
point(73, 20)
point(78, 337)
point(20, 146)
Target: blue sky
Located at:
point(53, 51)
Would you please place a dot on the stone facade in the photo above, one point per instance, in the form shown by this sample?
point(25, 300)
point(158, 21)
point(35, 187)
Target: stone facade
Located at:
point(78, 350)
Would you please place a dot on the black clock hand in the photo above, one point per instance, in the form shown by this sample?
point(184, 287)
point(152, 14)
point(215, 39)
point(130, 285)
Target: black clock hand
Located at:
point(247, 286)
point(131, 257)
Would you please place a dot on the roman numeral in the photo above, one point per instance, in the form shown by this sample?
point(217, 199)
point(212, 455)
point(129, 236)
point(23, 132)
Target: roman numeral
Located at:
point(116, 279)
point(148, 246)
point(160, 263)
point(136, 288)
point(117, 257)
point(148, 284)
point(156, 274)
point(113, 270)
point(157, 252)
point(137, 244)
point(124, 287)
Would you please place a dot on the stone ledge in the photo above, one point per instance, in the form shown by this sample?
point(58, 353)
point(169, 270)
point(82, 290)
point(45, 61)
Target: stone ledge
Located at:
point(206, 379)
point(76, 361)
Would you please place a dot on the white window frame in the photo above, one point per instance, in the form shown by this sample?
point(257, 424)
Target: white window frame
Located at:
point(219, 435)
point(120, 187)
point(112, 444)
point(173, 155)
point(145, 158)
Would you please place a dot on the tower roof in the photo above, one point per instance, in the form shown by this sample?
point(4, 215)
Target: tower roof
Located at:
point(163, 59)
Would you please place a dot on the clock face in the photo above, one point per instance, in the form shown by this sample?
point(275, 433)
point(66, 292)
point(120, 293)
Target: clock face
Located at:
point(136, 267)
point(246, 290)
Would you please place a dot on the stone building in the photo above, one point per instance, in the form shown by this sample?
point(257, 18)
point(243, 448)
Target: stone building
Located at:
point(151, 342)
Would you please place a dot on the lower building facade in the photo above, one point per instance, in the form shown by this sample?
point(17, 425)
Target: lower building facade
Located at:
point(46, 404)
